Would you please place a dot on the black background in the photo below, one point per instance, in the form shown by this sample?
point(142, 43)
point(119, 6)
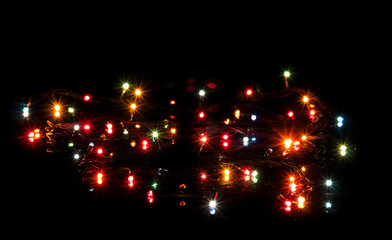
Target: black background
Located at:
point(329, 58)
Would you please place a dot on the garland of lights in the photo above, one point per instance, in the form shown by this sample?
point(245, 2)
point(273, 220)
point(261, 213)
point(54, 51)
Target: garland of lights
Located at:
point(265, 142)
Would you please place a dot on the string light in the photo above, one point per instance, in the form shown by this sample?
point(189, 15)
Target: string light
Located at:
point(239, 136)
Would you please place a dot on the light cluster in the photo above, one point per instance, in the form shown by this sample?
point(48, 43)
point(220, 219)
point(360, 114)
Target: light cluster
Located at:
point(265, 142)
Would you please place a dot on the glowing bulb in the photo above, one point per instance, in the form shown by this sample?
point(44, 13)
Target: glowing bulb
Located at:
point(343, 151)
point(71, 109)
point(57, 114)
point(204, 139)
point(328, 182)
point(25, 112)
point(247, 175)
point(133, 106)
point(227, 175)
point(76, 156)
point(99, 151)
point(253, 117)
point(203, 176)
point(293, 187)
point(287, 204)
point(305, 99)
point(57, 107)
point(328, 205)
point(87, 98)
point(125, 86)
point(76, 127)
point(286, 74)
point(99, 178)
point(173, 130)
point(202, 93)
point(245, 141)
point(249, 92)
point(287, 143)
point(237, 114)
point(131, 181)
point(296, 145)
point(201, 115)
point(290, 114)
point(154, 134)
point(138, 92)
point(340, 121)
point(254, 176)
point(144, 143)
point(212, 206)
point(301, 201)
point(150, 196)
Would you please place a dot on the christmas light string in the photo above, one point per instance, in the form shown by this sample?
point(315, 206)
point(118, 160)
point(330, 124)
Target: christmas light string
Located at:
point(288, 132)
